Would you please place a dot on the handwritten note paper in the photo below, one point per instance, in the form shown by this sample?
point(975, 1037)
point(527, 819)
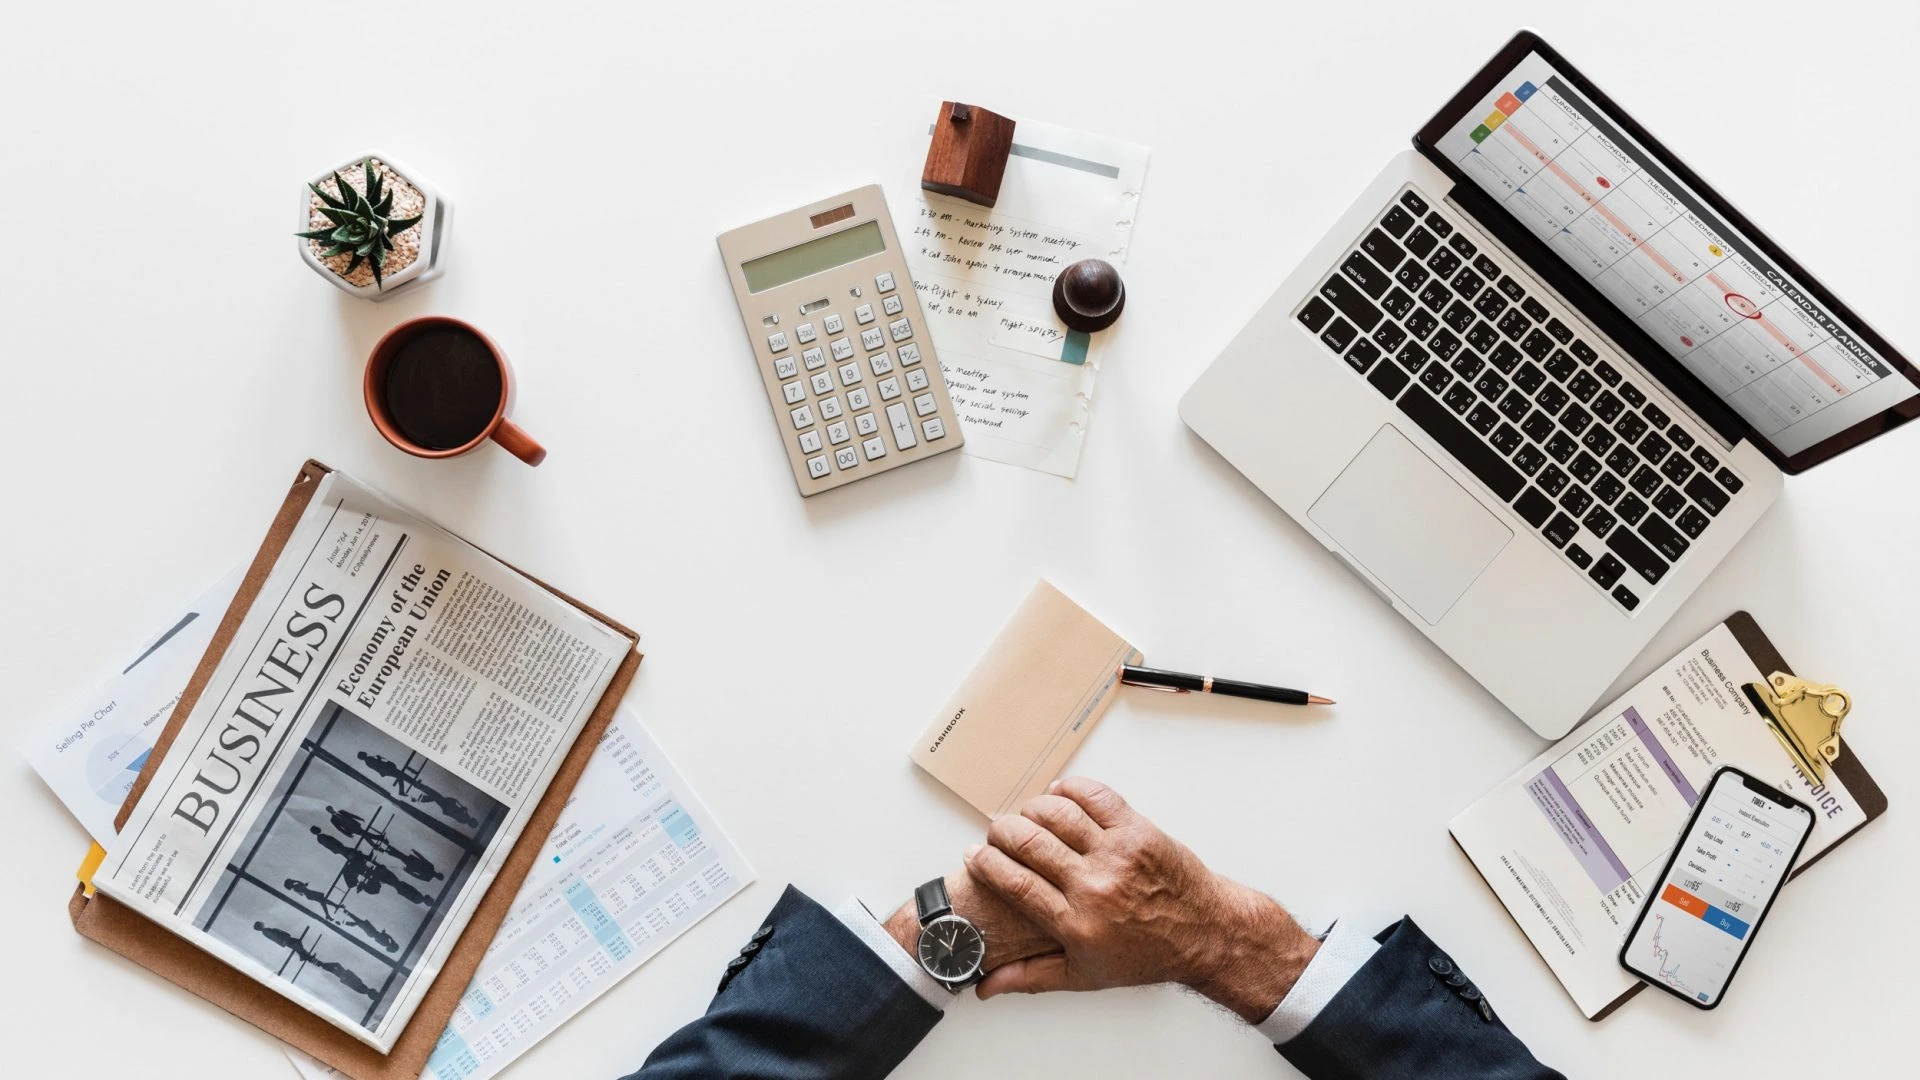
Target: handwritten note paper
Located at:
point(1021, 382)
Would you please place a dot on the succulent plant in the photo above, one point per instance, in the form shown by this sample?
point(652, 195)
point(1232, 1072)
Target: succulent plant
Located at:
point(361, 224)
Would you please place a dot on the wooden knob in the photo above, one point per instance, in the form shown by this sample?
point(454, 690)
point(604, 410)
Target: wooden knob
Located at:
point(1089, 295)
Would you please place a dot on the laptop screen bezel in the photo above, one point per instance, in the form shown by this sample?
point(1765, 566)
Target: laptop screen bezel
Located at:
point(1610, 319)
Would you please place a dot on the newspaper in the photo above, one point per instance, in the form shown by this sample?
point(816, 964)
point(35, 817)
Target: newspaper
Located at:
point(369, 748)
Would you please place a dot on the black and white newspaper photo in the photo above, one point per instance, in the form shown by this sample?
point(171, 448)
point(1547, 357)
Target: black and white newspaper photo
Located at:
point(368, 749)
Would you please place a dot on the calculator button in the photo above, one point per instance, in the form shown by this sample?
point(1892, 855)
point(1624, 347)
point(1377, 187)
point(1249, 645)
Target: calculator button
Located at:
point(849, 374)
point(814, 358)
point(892, 305)
point(880, 362)
point(822, 383)
point(875, 448)
point(809, 442)
point(917, 380)
point(871, 339)
point(883, 281)
point(803, 333)
point(909, 355)
point(796, 392)
point(863, 314)
point(837, 433)
point(889, 389)
point(865, 424)
point(832, 324)
point(787, 367)
point(857, 398)
point(829, 408)
point(842, 349)
point(902, 426)
point(777, 341)
point(817, 466)
point(933, 429)
point(802, 416)
point(924, 404)
point(901, 329)
point(845, 457)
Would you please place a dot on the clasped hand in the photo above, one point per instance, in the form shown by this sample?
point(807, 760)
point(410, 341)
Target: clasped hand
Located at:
point(1084, 893)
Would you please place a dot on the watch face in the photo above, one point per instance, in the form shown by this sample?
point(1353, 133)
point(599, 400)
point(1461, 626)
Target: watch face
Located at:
point(951, 949)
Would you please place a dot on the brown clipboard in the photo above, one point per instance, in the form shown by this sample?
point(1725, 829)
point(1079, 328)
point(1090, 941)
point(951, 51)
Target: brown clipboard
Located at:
point(180, 962)
point(1873, 802)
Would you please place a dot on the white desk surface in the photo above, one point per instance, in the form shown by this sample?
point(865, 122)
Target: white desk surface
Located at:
point(169, 363)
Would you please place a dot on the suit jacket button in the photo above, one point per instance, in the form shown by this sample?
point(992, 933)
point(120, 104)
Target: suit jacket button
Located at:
point(736, 963)
point(1440, 966)
point(750, 948)
point(1457, 980)
point(1486, 1012)
point(1471, 993)
point(763, 933)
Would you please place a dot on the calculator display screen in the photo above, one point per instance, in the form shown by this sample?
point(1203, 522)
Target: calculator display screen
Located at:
point(804, 260)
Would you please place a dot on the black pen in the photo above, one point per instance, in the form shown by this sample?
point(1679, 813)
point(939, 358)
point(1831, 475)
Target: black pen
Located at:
point(1180, 683)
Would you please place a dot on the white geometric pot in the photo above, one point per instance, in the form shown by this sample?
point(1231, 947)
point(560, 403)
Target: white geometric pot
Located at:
point(436, 222)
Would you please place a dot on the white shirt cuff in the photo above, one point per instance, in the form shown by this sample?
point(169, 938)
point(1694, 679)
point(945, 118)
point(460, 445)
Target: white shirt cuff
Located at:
point(1342, 952)
point(867, 928)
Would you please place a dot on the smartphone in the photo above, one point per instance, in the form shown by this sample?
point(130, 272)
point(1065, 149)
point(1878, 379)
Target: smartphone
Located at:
point(1700, 919)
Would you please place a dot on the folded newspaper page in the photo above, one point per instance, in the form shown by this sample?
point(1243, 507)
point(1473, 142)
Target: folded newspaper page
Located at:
point(369, 748)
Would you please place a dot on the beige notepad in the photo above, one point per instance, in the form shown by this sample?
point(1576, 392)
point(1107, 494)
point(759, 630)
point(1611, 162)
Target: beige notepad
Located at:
point(1027, 705)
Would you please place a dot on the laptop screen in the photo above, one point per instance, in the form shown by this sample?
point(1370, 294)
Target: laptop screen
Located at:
point(1616, 213)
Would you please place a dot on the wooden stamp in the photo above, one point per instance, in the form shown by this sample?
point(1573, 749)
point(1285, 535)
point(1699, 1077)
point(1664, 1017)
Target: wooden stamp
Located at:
point(968, 157)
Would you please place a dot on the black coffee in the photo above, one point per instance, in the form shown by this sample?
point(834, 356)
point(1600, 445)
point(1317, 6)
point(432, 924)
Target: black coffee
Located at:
point(443, 387)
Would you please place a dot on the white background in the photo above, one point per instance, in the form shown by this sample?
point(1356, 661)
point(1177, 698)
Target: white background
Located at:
point(169, 362)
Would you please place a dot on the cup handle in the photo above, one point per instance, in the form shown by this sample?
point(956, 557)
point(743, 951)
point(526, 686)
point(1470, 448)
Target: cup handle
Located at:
point(517, 442)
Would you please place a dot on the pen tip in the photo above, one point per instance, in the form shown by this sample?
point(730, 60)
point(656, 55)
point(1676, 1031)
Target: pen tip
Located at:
point(1315, 699)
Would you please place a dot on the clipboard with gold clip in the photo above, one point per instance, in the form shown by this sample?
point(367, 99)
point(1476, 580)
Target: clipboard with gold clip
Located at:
point(1805, 717)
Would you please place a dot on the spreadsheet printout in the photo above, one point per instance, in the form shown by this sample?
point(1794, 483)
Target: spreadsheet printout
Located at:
point(1655, 249)
point(634, 862)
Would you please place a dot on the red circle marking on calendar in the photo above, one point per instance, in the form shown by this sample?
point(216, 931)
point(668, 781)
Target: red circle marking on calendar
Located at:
point(1742, 306)
point(1602, 181)
point(1687, 341)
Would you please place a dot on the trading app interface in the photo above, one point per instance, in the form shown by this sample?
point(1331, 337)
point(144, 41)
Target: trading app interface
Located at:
point(1697, 924)
point(1654, 248)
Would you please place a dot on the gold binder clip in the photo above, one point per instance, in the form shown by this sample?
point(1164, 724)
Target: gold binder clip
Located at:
point(1805, 718)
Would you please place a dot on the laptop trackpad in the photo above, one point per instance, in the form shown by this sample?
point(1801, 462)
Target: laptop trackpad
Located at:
point(1410, 524)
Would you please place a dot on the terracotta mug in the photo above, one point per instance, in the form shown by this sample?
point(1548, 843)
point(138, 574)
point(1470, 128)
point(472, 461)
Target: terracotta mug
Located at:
point(500, 429)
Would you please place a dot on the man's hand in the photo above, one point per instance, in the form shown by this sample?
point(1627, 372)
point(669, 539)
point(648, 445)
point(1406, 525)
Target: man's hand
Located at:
point(1010, 936)
point(1131, 906)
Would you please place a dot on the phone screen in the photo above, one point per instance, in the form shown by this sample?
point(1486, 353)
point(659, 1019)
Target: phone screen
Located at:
point(1736, 852)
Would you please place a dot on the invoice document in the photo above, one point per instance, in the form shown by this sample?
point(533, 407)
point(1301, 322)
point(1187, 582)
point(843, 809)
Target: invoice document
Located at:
point(1573, 843)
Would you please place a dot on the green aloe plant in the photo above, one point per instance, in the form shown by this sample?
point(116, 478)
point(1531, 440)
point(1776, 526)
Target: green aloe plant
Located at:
point(361, 224)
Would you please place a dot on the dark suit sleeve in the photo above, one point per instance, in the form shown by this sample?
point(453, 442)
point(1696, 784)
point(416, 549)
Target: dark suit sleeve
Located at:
point(1410, 1012)
point(809, 1001)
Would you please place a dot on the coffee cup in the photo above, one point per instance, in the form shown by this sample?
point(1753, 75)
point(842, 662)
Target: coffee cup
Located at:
point(437, 387)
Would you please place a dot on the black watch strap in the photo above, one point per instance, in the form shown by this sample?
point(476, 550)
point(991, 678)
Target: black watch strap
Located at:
point(931, 901)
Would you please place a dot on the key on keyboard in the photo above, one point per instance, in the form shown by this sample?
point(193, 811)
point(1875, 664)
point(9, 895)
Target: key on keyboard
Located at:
point(1521, 399)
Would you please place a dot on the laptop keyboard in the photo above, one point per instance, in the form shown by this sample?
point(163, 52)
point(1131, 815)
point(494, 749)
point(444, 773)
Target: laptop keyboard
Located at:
point(1506, 386)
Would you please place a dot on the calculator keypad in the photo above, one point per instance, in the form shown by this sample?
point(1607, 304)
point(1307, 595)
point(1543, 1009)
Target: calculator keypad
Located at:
point(842, 356)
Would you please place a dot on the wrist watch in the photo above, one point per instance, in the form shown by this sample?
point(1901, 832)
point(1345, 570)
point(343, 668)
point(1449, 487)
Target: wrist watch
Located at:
point(951, 948)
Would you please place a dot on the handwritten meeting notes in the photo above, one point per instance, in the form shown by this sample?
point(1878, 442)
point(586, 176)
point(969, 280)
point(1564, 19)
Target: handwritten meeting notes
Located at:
point(1021, 382)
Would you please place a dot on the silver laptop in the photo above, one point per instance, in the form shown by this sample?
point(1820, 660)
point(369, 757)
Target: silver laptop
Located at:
point(1539, 380)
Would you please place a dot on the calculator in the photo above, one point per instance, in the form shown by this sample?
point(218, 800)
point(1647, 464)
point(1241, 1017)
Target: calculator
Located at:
point(840, 340)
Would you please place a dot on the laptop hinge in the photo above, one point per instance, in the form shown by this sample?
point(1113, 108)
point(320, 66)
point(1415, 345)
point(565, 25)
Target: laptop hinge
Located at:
point(1535, 281)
